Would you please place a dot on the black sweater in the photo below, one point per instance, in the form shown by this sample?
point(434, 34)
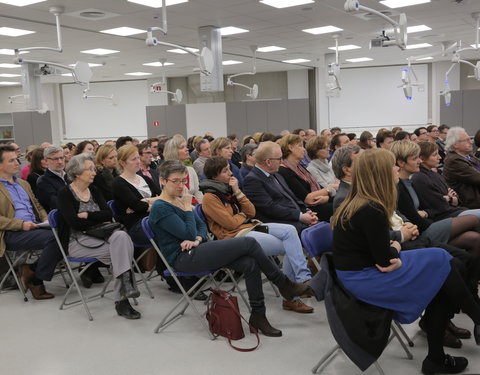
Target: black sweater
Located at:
point(364, 242)
point(68, 208)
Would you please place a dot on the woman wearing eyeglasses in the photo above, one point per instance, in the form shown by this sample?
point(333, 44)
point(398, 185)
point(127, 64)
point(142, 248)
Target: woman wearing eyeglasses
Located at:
point(82, 206)
point(181, 237)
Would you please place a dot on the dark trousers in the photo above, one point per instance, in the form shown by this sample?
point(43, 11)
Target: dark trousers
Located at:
point(37, 239)
point(452, 296)
point(137, 234)
point(242, 254)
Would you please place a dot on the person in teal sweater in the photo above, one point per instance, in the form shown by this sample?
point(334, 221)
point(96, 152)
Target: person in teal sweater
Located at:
point(181, 237)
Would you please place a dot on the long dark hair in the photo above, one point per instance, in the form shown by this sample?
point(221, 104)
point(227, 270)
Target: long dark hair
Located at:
point(36, 163)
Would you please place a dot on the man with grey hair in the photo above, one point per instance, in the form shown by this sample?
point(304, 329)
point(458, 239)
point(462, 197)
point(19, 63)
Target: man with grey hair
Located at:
point(309, 134)
point(53, 179)
point(203, 151)
point(342, 165)
point(462, 169)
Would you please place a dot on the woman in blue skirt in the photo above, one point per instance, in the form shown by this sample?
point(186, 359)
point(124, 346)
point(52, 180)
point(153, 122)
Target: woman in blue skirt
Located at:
point(375, 271)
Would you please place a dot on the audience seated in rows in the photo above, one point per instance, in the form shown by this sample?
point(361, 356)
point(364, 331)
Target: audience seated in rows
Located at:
point(107, 169)
point(223, 147)
point(147, 171)
point(248, 159)
point(203, 153)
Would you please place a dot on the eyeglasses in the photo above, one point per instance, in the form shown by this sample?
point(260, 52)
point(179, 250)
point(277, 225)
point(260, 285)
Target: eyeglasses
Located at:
point(178, 182)
point(57, 159)
point(147, 153)
point(435, 131)
point(275, 159)
point(464, 140)
point(423, 133)
point(93, 169)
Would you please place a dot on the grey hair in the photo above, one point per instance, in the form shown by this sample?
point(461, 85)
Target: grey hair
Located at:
point(343, 158)
point(453, 136)
point(247, 150)
point(51, 150)
point(76, 165)
point(170, 152)
point(169, 167)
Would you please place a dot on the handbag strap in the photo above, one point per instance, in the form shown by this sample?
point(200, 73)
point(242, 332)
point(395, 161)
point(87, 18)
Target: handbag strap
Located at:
point(226, 297)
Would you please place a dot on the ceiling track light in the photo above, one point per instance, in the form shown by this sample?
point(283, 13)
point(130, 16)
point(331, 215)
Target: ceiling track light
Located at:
point(399, 28)
point(252, 91)
point(156, 88)
point(333, 87)
point(87, 96)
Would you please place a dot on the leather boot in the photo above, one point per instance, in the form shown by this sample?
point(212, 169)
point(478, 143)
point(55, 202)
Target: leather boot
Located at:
point(290, 289)
point(459, 333)
point(126, 310)
point(260, 323)
point(128, 288)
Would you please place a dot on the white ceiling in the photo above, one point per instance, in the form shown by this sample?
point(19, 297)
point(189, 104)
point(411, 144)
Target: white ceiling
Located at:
point(268, 26)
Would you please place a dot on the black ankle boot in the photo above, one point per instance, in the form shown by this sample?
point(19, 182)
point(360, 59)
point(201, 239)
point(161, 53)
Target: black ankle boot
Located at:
point(260, 323)
point(290, 289)
point(128, 288)
point(126, 310)
point(451, 365)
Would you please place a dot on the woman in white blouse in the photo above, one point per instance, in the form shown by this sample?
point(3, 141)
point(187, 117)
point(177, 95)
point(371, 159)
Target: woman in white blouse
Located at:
point(318, 151)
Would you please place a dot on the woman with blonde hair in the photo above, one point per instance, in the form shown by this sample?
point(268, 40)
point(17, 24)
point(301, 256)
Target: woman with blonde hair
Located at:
point(223, 147)
point(376, 271)
point(176, 149)
point(106, 163)
point(300, 181)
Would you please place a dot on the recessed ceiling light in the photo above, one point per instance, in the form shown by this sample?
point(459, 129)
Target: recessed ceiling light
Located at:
point(11, 52)
point(8, 75)
point(181, 51)
point(138, 74)
point(124, 31)
point(158, 63)
point(91, 65)
point(21, 3)
point(425, 58)
point(7, 83)
point(9, 66)
point(359, 59)
point(345, 47)
point(270, 49)
point(402, 3)
point(474, 45)
point(322, 30)
point(295, 61)
point(285, 3)
point(157, 3)
point(230, 30)
point(99, 51)
point(231, 62)
point(10, 31)
point(417, 29)
point(419, 45)
point(67, 74)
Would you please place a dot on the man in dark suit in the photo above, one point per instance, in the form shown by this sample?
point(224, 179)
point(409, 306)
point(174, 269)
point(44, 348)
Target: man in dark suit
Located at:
point(20, 216)
point(53, 179)
point(270, 194)
point(147, 171)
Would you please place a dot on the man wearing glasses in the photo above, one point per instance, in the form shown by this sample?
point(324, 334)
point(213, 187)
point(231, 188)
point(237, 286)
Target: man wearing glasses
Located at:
point(53, 179)
point(422, 134)
point(462, 169)
point(442, 136)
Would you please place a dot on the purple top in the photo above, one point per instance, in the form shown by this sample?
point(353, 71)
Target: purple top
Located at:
point(21, 200)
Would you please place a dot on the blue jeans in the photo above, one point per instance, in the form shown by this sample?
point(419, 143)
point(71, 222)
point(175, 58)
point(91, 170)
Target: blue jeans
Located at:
point(282, 239)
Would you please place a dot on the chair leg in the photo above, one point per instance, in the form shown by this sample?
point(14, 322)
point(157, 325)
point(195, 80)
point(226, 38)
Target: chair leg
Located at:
point(402, 343)
point(144, 280)
point(379, 368)
point(325, 360)
point(79, 291)
point(241, 292)
point(12, 271)
point(404, 334)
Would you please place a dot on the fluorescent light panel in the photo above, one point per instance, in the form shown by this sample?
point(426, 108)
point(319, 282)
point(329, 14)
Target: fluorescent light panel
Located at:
point(285, 3)
point(138, 74)
point(21, 3)
point(9, 66)
point(402, 3)
point(359, 59)
point(10, 52)
point(100, 51)
point(8, 75)
point(425, 58)
point(419, 45)
point(91, 65)
point(8, 83)
point(10, 31)
point(345, 47)
point(231, 62)
point(322, 30)
point(123, 31)
point(417, 29)
point(295, 61)
point(181, 51)
point(67, 75)
point(230, 30)
point(158, 63)
point(157, 3)
point(474, 45)
point(270, 49)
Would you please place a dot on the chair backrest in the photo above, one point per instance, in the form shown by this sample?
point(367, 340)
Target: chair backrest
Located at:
point(53, 218)
point(113, 207)
point(200, 213)
point(317, 239)
point(147, 229)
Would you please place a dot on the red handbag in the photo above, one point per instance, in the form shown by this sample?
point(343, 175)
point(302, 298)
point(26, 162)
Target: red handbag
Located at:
point(224, 318)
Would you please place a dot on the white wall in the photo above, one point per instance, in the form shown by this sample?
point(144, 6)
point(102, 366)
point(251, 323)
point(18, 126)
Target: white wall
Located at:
point(206, 117)
point(297, 84)
point(98, 118)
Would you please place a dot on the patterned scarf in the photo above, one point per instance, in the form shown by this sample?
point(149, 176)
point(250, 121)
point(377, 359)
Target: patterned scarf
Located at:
point(302, 173)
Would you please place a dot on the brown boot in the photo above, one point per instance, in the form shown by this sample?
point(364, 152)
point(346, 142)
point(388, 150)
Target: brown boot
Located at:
point(39, 292)
point(290, 289)
point(25, 274)
point(260, 323)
